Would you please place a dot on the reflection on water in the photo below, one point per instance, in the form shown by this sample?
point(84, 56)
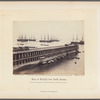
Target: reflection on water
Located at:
point(62, 67)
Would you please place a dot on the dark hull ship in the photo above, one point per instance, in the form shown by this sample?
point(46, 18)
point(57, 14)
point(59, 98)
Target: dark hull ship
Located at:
point(32, 39)
point(81, 42)
point(48, 40)
point(76, 42)
point(22, 39)
point(45, 41)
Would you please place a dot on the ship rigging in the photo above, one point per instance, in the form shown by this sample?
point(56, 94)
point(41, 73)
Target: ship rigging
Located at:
point(48, 39)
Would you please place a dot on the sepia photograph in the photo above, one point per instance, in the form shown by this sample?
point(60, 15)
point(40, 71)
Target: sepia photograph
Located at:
point(49, 50)
point(48, 47)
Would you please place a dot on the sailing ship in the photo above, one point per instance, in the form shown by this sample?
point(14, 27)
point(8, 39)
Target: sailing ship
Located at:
point(32, 39)
point(48, 39)
point(81, 42)
point(75, 41)
point(45, 40)
point(56, 40)
point(22, 39)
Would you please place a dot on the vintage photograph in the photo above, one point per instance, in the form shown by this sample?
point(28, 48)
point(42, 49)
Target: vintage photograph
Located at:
point(49, 50)
point(48, 47)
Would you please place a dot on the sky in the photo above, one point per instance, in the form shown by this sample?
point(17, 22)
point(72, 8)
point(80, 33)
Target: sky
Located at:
point(63, 30)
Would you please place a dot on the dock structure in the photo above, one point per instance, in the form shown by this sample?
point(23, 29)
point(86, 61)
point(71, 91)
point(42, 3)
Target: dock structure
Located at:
point(43, 55)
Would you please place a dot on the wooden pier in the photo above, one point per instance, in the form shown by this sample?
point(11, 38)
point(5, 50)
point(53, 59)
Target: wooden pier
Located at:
point(43, 55)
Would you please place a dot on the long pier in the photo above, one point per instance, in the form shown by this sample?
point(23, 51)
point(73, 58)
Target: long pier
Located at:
point(43, 55)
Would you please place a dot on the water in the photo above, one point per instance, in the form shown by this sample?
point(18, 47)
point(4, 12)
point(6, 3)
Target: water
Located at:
point(63, 67)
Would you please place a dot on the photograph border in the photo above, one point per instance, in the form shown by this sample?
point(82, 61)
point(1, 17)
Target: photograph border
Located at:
point(55, 1)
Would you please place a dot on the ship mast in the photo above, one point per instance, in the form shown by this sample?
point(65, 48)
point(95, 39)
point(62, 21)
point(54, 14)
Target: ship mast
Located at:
point(73, 38)
point(19, 37)
point(48, 36)
point(77, 38)
point(31, 36)
point(41, 37)
point(57, 38)
point(34, 37)
point(25, 36)
point(51, 37)
point(82, 38)
point(22, 36)
point(44, 37)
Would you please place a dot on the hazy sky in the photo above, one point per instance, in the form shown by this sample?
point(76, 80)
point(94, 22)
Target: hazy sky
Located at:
point(64, 30)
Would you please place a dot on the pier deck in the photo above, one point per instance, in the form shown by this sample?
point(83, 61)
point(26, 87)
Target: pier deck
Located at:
point(35, 56)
